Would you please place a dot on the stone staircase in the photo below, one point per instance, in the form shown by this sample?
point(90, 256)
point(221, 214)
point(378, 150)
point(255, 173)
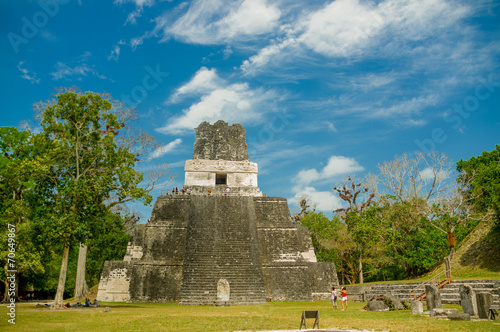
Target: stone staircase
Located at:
point(218, 249)
point(450, 293)
point(407, 291)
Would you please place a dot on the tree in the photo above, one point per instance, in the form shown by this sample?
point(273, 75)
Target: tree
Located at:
point(421, 185)
point(353, 194)
point(480, 178)
point(87, 167)
point(418, 191)
point(19, 169)
point(304, 210)
point(140, 144)
point(137, 142)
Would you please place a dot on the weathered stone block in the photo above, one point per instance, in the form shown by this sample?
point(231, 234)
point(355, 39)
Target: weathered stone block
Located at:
point(432, 297)
point(458, 316)
point(417, 307)
point(377, 305)
point(220, 141)
point(444, 312)
point(468, 299)
point(484, 300)
point(115, 282)
point(397, 302)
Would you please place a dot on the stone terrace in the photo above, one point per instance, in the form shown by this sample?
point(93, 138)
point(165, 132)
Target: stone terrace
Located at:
point(405, 291)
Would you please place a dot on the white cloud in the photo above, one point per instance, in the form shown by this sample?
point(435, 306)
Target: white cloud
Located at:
point(80, 70)
point(139, 7)
point(115, 53)
point(227, 52)
point(341, 28)
point(64, 71)
point(330, 126)
point(349, 29)
point(337, 165)
point(218, 99)
point(205, 80)
point(216, 22)
point(373, 81)
point(233, 103)
point(324, 201)
point(406, 107)
point(252, 17)
point(266, 55)
point(27, 75)
point(164, 149)
point(428, 174)
point(138, 3)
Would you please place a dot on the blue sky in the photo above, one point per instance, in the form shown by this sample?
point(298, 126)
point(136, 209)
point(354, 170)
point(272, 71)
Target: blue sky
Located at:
point(324, 88)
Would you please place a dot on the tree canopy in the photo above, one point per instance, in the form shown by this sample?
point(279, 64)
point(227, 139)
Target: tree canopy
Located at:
point(482, 176)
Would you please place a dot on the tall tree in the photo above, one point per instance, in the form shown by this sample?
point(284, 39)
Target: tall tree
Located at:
point(480, 177)
point(419, 191)
point(420, 186)
point(355, 194)
point(140, 144)
point(88, 166)
point(19, 170)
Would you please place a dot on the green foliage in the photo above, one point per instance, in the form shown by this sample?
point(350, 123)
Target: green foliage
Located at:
point(19, 169)
point(484, 174)
point(57, 188)
point(87, 165)
point(109, 243)
point(342, 243)
point(321, 228)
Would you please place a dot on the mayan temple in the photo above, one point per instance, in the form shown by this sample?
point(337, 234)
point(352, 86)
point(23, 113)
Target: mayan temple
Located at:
point(224, 248)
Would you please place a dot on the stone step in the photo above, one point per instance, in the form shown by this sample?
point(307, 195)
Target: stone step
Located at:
point(449, 293)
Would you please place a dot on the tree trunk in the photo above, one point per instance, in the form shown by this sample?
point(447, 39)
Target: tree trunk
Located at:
point(58, 301)
point(81, 287)
point(6, 297)
point(6, 293)
point(360, 269)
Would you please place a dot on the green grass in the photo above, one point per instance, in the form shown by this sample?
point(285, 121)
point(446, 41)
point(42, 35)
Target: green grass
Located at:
point(273, 316)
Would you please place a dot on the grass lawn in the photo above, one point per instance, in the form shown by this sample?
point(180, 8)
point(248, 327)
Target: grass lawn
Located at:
point(273, 316)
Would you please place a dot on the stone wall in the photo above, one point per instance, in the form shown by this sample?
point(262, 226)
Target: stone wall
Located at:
point(136, 243)
point(322, 276)
point(238, 174)
point(220, 141)
point(288, 260)
point(157, 276)
point(194, 243)
point(115, 282)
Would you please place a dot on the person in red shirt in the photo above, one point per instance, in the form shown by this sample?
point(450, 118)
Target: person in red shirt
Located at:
point(344, 298)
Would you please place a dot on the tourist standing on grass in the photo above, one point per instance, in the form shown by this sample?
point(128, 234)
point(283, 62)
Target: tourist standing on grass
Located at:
point(334, 297)
point(344, 298)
